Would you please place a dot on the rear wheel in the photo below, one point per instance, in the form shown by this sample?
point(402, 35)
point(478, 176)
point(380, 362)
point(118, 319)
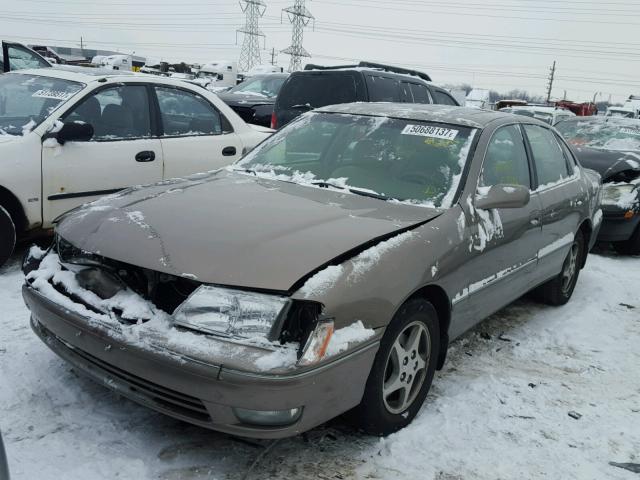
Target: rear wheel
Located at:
point(559, 289)
point(402, 371)
point(7, 236)
point(630, 246)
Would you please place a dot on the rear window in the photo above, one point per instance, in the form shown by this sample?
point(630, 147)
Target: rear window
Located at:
point(317, 90)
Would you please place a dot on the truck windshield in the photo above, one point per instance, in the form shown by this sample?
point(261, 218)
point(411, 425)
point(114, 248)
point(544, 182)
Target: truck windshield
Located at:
point(410, 161)
point(262, 86)
point(607, 133)
point(27, 100)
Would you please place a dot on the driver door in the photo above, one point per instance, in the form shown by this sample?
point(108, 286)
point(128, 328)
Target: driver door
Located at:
point(122, 152)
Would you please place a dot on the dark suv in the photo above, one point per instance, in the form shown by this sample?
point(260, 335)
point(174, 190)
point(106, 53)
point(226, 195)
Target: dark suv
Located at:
point(318, 86)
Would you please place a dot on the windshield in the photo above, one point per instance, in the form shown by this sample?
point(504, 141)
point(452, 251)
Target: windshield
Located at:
point(26, 100)
point(608, 133)
point(390, 159)
point(263, 86)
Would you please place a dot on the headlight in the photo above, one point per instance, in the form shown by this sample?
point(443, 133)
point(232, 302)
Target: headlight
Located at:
point(233, 313)
point(622, 195)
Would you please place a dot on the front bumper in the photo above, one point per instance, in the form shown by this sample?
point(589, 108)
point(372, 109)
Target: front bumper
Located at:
point(615, 226)
point(197, 392)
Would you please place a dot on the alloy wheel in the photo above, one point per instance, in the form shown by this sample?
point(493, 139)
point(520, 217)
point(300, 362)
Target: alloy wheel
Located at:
point(570, 267)
point(406, 367)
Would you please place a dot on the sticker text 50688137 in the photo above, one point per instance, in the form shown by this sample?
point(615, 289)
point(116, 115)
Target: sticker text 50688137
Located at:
point(430, 131)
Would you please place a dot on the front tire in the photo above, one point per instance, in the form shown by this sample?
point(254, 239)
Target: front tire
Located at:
point(559, 289)
point(630, 246)
point(7, 236)
point(402, 371)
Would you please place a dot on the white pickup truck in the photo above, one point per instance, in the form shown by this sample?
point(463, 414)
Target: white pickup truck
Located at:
point(70, 135)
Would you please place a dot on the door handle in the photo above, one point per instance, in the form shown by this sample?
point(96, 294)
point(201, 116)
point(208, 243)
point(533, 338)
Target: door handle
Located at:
point(229, 151)
point(146, 156)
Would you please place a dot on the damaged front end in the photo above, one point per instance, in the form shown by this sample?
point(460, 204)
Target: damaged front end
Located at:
point(262, 331)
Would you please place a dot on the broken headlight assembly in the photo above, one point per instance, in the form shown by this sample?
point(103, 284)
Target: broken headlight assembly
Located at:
point(620, 194)
point(232, 313)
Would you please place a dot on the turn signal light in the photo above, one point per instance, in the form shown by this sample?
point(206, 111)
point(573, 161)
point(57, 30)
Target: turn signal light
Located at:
point(316, 346)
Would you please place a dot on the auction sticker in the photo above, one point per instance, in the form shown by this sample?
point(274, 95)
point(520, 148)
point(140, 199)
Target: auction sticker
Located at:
point(630, 131)
point(55, 94)
point(430, 131)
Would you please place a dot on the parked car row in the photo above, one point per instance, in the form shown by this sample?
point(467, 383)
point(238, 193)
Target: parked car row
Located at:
point(320, 269)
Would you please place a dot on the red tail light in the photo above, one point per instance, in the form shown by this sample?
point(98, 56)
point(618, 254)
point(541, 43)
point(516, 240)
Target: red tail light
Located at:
point(274, 120)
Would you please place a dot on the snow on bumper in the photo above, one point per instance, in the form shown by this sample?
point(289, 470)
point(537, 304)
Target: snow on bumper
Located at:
point(198, 392)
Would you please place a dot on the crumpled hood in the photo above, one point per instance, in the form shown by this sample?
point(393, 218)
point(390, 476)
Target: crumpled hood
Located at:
point(608, 163)
point(234, 229)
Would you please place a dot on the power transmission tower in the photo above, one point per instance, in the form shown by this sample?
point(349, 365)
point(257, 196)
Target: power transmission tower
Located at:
point(552, 74)
point(274, 56)
point(250, 52)
point(299, 17)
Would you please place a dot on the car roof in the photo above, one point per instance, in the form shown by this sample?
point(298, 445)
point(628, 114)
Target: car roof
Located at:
point(378, 71)
point(89, 75)
point(472, 117)
point(541, 109)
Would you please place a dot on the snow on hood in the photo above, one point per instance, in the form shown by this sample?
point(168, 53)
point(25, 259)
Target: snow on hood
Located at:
point(236, 230)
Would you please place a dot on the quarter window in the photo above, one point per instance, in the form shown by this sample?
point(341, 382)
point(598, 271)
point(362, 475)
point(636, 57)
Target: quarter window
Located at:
point(443, 98)
point(506, 160)
point(115, 113)
point(548, 156)
point(420, 93)
point(187, 114)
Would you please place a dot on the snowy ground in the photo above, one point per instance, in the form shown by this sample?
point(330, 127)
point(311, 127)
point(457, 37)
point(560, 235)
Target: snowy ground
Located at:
point(499, 410)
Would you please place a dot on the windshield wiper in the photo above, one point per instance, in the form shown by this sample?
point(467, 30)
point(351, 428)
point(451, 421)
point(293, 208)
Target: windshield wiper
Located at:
point(365, 193)
point(245, 170)
point(324, 184)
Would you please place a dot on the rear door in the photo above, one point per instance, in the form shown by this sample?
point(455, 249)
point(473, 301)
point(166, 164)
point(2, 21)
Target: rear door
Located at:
point(123, 151)
point(505, 241)
point(559, 190)
point(16, 57)
point(195, 135)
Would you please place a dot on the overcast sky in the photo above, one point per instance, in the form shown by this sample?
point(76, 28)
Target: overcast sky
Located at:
point(498, 44)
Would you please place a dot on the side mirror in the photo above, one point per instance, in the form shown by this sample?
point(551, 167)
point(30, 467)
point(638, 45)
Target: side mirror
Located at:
point(503, 196)
point(79, 132)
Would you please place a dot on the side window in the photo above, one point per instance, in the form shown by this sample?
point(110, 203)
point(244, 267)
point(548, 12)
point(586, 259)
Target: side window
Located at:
point(506, 159)
point(405, 93)
point(420, 93)
point(548, 156)
point(443, 98)
point(21, 57)
point(383, 89)
point(187, 114)
point(115, 113)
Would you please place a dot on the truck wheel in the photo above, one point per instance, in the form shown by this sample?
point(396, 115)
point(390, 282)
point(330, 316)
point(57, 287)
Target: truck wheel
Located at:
point(402, 371)
point(559, 289)
point(630, 246)
point(7, 236)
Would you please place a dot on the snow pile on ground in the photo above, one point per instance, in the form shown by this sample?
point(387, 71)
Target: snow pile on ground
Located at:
point(499, 409)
